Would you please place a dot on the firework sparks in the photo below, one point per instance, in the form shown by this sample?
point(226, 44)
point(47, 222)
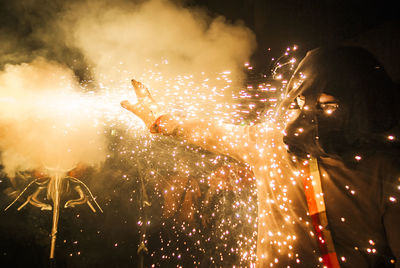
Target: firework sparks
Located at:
point(52, 136)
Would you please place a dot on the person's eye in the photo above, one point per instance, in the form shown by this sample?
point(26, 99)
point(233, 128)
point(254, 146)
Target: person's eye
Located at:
point(328, 107)
point(300, 100)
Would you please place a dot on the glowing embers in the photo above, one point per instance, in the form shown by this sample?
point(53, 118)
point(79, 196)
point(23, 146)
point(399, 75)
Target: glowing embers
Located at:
point(391, 137)
point(181, 197)
point(299, 131)
point(208, 207)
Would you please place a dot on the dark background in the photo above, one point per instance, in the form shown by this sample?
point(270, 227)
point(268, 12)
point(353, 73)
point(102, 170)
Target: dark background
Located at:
point(278, 24)
point(111, 239)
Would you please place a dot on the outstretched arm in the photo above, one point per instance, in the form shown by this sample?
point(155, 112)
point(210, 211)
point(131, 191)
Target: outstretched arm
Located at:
point(230, 140)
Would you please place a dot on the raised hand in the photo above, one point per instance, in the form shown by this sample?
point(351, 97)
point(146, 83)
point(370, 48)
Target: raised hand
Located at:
point(145, 108)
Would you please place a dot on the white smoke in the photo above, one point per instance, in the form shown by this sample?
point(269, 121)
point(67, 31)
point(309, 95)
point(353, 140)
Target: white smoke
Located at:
point(44, 121)
point(157, 42)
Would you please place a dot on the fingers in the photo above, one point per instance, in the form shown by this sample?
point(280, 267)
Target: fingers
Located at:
point(134, 108)
point(145, 108)
point(141, 91)
point(136, 84)
point(127, 105)
point(142, 111)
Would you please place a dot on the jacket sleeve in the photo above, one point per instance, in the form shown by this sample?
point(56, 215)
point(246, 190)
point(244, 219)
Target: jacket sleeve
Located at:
point(239, 142)
point(391, 216)
point(231, 140)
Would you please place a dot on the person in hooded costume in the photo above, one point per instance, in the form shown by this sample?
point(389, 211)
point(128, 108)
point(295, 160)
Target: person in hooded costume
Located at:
point(342, 135)
point(347, 119)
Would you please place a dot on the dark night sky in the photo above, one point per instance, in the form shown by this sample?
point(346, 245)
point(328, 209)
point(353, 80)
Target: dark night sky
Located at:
point(307, 23)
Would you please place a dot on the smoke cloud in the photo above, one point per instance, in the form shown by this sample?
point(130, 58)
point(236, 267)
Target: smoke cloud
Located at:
point(135, 37)
point(53, 51)
point(168, 47)
point(44, 119)
point(28, 29)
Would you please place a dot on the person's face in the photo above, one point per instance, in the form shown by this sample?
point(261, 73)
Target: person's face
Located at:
point(317, 123)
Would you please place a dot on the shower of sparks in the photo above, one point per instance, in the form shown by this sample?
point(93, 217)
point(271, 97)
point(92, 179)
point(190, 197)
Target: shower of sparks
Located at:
point(212, 206)
point(181, 189)
point(208, 199)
